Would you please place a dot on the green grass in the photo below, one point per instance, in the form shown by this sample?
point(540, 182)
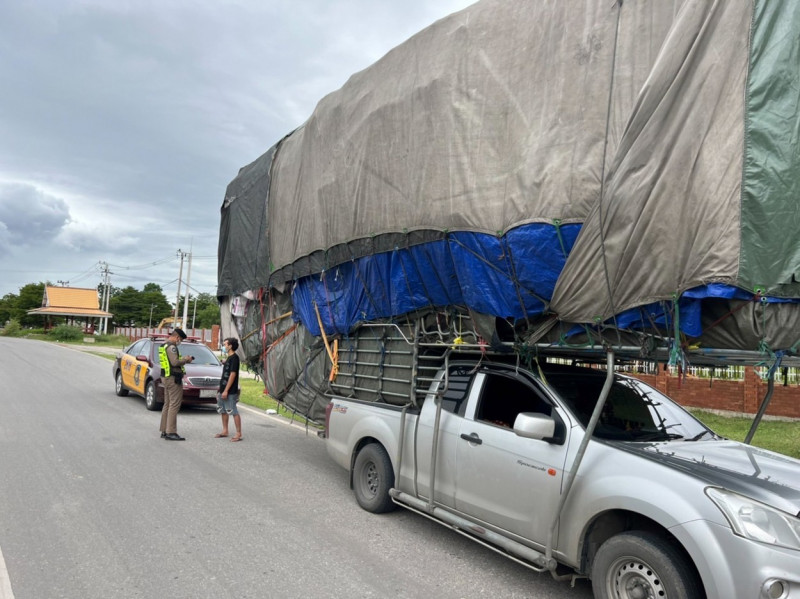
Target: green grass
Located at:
point(777, 435)
point(107, 356)
point(252, 394)
point(115, 341)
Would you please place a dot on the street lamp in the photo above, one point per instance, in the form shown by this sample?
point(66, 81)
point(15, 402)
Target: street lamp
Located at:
point(149, 322)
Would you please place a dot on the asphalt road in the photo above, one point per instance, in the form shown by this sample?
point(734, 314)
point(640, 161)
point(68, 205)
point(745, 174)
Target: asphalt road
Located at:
point(94, 504)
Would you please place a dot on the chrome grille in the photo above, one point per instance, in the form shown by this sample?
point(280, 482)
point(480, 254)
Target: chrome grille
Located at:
point(206, 382)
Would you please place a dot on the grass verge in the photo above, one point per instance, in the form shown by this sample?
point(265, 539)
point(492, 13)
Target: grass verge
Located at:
point(252, 394)
point(777, 435)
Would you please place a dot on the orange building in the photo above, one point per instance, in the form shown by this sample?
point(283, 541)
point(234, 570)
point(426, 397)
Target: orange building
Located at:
point(73, 303)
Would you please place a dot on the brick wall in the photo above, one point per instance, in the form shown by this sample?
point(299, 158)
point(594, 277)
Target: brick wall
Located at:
point(737, 396)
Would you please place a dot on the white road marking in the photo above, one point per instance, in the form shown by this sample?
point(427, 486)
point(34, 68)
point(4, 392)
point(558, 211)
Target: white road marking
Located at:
point(5, 583)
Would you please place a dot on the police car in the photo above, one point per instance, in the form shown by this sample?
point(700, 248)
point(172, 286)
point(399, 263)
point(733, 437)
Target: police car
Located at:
point(137, 370)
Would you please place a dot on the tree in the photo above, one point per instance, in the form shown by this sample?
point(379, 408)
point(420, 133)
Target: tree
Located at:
point(207, 317)
point(125, 304)
point(155, 305)
point(7, 303)
point(132, 307)
point(30, 297)
point(205, 309)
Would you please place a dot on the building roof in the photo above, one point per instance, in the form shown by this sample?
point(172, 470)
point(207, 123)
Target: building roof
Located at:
point(70, 301)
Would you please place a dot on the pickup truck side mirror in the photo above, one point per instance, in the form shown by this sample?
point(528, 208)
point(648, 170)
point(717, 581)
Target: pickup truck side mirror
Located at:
point(533, 425)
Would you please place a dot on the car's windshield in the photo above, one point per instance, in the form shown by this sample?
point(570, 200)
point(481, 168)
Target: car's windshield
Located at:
point(201, 353)
point(633, 411)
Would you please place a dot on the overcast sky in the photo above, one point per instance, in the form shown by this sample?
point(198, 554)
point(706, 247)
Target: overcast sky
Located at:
point(122, 122)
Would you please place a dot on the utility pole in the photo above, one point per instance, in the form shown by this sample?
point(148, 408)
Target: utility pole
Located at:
point(186, 297)
point(106, 297)
point(178, 298)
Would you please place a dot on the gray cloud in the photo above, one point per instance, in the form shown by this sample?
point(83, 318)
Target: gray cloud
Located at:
point(123, 122)
point(29, 215)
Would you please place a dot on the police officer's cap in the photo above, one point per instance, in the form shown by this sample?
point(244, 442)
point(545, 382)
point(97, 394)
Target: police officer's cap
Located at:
point(179, 333)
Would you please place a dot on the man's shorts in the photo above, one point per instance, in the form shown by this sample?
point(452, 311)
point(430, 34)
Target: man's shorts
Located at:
point(228, 406)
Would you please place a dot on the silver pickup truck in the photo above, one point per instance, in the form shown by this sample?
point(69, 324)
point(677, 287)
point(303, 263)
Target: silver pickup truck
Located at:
point(651, 504)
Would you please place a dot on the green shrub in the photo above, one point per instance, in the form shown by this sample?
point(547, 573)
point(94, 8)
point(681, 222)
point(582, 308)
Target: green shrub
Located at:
point(12, 328)
point(64, 332)
point(120, 340)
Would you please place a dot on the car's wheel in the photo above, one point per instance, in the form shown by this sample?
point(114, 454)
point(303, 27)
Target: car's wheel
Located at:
point(120, 389)
point(643, 565)
point(150, 400)
point(373, 476)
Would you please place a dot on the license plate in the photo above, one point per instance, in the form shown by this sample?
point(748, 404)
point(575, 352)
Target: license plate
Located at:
point(208, 393)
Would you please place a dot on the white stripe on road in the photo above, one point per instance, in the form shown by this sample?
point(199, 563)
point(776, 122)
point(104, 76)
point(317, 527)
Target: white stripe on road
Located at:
point(5, 583)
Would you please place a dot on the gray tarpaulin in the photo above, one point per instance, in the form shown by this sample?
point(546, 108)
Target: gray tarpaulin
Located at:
point(669, 214)
point(492, 117)
point(590, 162)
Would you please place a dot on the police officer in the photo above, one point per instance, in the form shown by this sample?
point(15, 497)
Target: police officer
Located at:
point(172, 374)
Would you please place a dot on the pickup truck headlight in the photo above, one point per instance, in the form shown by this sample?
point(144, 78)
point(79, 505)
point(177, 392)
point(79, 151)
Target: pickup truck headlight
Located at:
point(756, 521)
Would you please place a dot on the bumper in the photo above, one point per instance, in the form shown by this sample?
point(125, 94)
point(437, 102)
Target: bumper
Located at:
point(731, 566)
point(193, 395)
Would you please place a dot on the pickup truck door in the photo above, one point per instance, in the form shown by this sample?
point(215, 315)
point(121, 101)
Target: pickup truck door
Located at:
point(454, 406)
point(505, 480)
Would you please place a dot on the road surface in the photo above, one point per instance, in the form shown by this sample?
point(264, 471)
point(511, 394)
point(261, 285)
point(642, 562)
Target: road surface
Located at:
point(94, 504)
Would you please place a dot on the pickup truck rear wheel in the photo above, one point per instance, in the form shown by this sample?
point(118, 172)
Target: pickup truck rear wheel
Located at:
point(642, 565)
point(373, 476)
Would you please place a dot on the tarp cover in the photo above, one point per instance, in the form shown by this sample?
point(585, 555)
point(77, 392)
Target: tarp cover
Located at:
point(704, 184)
point(491, 118)
point(617, 163)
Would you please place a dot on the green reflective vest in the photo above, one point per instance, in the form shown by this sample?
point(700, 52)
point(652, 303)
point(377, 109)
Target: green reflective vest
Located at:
point(166, 368)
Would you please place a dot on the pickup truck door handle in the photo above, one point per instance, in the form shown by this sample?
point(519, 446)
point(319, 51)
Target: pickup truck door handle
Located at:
point(472, 438)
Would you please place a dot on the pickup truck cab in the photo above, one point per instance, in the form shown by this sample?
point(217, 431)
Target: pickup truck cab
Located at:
point(653, 504)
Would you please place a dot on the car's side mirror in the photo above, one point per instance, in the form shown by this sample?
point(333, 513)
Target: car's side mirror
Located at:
point(533, 425)
point(141, 358)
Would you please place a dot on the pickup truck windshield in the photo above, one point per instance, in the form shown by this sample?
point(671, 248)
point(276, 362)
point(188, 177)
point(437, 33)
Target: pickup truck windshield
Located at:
point(633, 411)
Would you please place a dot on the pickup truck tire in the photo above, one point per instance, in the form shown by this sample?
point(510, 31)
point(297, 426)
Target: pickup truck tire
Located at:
point(641, 564)
point(373, 476)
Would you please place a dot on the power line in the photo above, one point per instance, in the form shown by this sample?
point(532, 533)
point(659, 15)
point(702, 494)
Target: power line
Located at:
point(146, 264)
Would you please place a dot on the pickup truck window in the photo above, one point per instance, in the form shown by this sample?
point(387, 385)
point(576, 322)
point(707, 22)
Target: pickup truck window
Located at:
point(503, 397)
point(633, 411)
point(454, 399)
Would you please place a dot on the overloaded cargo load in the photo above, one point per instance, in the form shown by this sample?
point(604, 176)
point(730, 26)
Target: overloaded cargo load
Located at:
point(544, 175)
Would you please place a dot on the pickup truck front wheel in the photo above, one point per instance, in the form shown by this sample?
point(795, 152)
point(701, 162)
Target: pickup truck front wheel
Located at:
point(373, 476)
point(640, 565)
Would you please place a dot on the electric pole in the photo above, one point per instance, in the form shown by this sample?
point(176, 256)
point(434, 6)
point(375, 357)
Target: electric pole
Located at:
point(106, 297)
point(186, 297)
point(178, 298)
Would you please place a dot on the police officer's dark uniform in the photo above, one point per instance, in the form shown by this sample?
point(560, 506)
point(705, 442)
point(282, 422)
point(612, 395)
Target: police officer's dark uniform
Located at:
point(172, 374)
